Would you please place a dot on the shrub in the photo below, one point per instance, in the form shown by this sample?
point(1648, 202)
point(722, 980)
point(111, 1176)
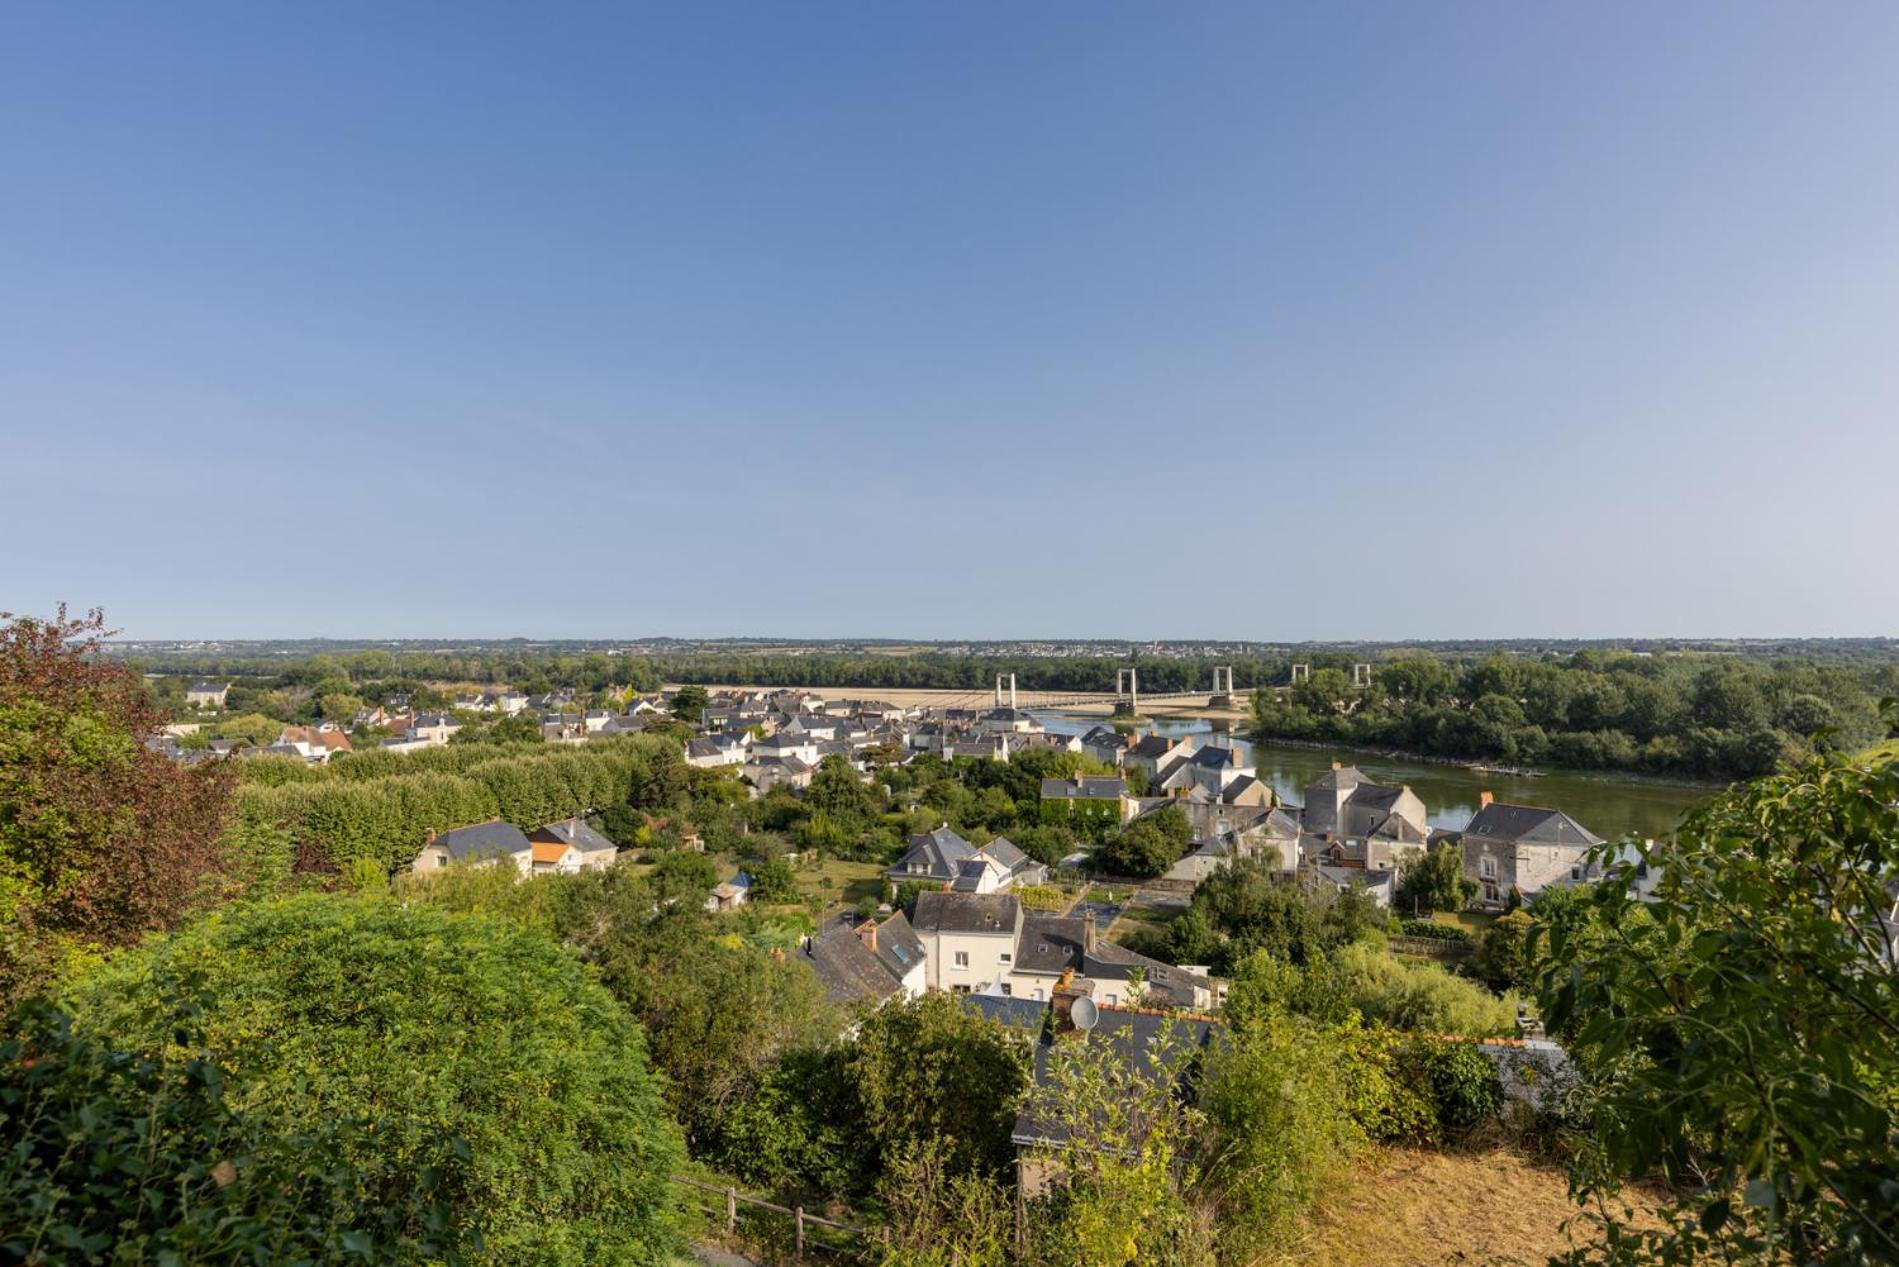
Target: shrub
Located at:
point(1418, 996)
point(324, 1010)
point(1455, 1079)
point(146, 1159)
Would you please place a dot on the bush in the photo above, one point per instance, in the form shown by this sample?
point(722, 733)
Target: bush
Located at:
point(146, 1159)
point(324, 1010)
point(1418, 996)
point(1455, 1079)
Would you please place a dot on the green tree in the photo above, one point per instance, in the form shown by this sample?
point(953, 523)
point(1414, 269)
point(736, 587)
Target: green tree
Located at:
point(144, 1159)
point(1141, 850)
point(925, 1071)
point(1435, 881)
point(414, 1022)
point(690, 703)
point(1740, 1038)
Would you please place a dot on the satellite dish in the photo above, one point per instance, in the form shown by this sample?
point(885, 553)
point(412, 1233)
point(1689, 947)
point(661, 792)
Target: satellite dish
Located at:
point(1084, 1014)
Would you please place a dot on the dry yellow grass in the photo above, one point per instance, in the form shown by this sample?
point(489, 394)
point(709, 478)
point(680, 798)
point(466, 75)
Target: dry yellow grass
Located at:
point(1415, 1208)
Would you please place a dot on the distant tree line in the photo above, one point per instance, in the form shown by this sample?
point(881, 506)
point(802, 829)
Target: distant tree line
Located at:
point(1696, 715)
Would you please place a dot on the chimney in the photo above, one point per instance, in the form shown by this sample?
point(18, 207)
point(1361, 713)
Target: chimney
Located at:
point(429, 838)
point(867, 934)
point(1484, 799)
point(1066, 991)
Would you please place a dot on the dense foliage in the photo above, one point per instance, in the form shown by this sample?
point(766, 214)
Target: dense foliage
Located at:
point(121, 1156)
point(1740, 1031)
point(1679, 714)
point(101, 840)
point(379, 806)
point(412, 1043)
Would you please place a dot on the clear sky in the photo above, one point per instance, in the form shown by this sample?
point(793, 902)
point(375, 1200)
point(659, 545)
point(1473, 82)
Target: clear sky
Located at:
point(959, 319)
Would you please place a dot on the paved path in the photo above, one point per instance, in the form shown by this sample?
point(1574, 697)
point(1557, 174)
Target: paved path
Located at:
point(721, 1258)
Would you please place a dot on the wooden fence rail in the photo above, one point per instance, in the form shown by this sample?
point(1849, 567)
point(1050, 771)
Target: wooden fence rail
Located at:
point(1432, 947)
point(799, 1218)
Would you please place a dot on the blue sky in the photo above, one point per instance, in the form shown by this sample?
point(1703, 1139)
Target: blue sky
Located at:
point(1279, 322)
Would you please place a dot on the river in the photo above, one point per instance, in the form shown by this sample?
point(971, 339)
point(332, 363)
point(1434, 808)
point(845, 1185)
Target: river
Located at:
point(1608, 804)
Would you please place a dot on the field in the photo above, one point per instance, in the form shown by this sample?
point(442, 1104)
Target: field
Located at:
point(1414, 1208)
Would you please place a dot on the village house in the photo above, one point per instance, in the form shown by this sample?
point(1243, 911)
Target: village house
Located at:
point(990, 944)
point(1152, 750)
point(943, 857)
point(1089, 801)
point(314, 743)
point(1354, 821)
point(717, 750)
point(207, 694)
point(478, 843)
point(868, 961)
point(1227, 833)
point(433, 728)
point(766, 773)
point(1209, 767)
point(1523, 848)
point(791, 745)
point(592, 851)
point(1106, 745)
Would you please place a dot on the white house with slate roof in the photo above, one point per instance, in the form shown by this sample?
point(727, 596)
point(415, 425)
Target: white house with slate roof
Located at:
point(943, 857)
point(1521, 847)
point(480, 843)
point(988, 944)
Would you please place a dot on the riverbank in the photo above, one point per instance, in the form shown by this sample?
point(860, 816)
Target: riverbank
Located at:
point(1710, 786)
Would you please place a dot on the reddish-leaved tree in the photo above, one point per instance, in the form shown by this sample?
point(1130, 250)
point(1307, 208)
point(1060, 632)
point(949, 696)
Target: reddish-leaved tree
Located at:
point(101, 839)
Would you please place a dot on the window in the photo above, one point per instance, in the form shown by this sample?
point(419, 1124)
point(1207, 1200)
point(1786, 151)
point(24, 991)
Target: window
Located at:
point(1006, 957)
point(1007, 991)
point(1038, 994)
point(962, 959)
point(1113, 999)
point(1487, 868)
point(959, 989)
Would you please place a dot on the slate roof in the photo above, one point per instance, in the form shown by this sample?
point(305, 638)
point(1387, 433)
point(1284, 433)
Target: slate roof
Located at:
point(575, 832)
point(1133, 1036)
point(1110, 961)
point(1152, 747)
point(483, 840)
point(1029, 1014)
point(851, 970)
point(1086, 788)
point(1530, 825)
point(938, 912)
point(1051, 943)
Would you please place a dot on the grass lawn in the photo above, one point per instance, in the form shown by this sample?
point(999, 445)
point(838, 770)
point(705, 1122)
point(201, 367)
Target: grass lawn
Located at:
point(1469, 921)
point(851, 882)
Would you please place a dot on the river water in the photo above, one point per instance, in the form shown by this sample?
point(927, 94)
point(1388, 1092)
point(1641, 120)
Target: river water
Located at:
point(1607, 804)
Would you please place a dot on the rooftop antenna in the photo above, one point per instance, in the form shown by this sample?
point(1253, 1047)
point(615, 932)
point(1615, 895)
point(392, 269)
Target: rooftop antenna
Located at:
point(1084, 1014)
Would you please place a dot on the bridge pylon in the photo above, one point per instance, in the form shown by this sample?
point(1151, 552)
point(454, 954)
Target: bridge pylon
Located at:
point(1127, 693)
point(1222, 696)
point(1000, 679)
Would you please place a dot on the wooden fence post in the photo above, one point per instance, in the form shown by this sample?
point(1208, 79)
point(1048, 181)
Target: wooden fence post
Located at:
point(731, 1211)
point(799, 1219)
